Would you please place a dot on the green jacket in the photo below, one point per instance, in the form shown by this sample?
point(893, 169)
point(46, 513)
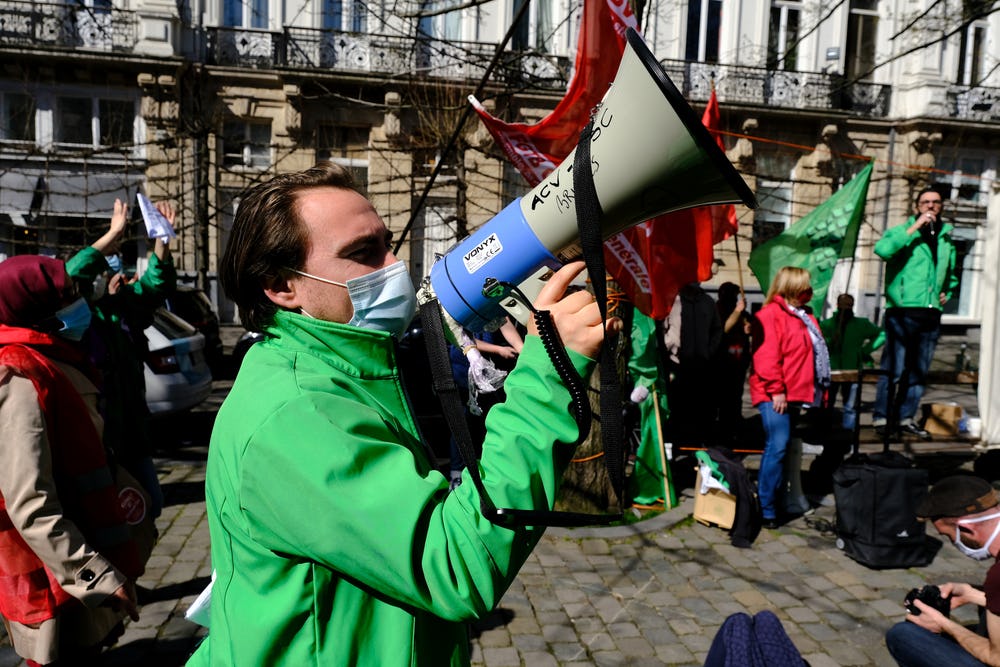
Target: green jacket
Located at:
point(855, 344)
point(911, 278)
point(117, 346)
point(334, 539)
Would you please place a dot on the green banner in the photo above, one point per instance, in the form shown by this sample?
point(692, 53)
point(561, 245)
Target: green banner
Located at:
point(817, 241)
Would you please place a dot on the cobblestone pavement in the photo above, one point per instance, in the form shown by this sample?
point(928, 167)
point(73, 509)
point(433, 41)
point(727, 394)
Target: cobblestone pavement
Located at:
point(654, 593)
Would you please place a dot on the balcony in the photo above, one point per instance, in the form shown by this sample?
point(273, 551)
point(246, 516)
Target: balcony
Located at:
point(388, 55)
point(740, 84)
point(35, 25)
point(976, 104)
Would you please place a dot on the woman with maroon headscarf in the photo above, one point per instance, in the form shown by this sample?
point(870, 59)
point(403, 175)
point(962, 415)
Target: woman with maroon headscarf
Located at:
point(67, 561)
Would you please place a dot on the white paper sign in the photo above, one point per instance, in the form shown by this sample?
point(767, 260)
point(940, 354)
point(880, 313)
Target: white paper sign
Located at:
point(157, 225)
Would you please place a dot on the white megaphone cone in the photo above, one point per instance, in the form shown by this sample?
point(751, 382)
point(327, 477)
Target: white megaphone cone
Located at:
point(650, 155)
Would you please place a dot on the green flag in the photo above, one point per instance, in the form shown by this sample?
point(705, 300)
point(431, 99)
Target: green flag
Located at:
point(818, 240)
point(650, 482)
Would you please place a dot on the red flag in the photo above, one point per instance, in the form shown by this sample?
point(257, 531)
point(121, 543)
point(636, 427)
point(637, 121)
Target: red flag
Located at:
point(651, 261)
point(537, 149)
point(723, 216)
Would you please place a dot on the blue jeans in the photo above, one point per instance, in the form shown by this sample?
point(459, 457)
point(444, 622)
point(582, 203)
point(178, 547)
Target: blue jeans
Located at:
point(909, 348)
point(777, 430)
point(849, 391)
point(912, 646)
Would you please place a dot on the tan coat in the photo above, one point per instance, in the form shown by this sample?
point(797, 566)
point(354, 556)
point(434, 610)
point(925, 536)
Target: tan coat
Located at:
point(33, 505)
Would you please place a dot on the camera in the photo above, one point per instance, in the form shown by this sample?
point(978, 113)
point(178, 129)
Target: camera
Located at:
point(930, 595)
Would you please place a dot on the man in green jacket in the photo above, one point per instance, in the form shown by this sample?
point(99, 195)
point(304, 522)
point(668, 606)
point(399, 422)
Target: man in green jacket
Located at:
point(334, 539)
point(919, 279)
point(851, 341)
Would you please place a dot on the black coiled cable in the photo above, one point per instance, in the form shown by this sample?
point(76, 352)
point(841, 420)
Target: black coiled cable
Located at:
point(580, 402)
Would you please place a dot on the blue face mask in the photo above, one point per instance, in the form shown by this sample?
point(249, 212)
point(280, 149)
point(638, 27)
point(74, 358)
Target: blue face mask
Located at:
point(115, 262)
point(75, 318)
point(383, 300)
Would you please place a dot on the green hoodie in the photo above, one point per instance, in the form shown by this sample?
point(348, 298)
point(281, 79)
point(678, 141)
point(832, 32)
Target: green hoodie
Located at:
point(334, 539)
point(911, 278)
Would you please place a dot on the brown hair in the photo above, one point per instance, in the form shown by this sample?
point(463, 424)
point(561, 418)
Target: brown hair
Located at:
point(268, 235)
point(790, 281)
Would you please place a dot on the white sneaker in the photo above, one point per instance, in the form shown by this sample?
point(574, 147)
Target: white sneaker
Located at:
point(815, 450)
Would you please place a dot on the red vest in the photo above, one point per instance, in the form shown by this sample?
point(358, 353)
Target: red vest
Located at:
point(87, 491)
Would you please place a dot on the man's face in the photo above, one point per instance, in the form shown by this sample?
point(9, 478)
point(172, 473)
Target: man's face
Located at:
point(346, 239)
point(972, 535)
point(929, 202)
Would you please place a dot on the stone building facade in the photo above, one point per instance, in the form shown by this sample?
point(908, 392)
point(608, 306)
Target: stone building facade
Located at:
point(199, 99)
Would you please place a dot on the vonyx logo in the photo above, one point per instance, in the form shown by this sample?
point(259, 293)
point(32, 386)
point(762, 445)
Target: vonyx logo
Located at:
point(482, 253)
point(903, 534)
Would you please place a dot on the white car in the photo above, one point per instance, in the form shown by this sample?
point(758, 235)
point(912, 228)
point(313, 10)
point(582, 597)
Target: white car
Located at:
point(177, 376)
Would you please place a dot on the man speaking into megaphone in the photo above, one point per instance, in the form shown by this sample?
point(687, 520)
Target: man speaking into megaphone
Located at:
point(325, 509)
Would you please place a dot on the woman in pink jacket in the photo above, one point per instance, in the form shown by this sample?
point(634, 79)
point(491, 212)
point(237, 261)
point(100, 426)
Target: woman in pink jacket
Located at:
point(791, 369)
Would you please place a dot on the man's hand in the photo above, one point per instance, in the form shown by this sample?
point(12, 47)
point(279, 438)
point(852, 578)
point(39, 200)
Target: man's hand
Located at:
point(922, 219)
point(929, 618)
point(962, 594)
point(119, 218)
point(161, 248)
point(576, 316)
point(124, 599)
point(110, 241)
point(780, 403)
point(116, 282)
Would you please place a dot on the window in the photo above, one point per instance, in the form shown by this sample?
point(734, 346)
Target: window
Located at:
point(73, 125)
point(246, 144)
point(349, 15)
point(117, 120)
point(964, 182)
point(17, 117)
point(434, 232)
point(245, 13)
point(96, 122)
point(774, 212)
point(703, 20)
point(536, 29)
point(972, 52)
point(774, 195)
point(446, 26)
point(347, 146)
point(968, 269)
point(862, 27)
point(783, 36)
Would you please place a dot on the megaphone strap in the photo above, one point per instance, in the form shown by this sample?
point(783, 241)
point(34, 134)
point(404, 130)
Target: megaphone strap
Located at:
point(588, 217)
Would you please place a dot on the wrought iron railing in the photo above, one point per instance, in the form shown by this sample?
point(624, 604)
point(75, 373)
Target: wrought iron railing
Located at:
point(305, 48)
point(390, 55)
point(974, 103)
point(56, 25)
point(741, 84)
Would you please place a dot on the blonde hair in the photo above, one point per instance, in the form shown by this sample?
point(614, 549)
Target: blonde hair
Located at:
point(790, 281)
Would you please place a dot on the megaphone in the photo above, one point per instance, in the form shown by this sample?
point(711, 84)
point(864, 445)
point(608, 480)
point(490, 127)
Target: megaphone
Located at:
point(650, 155)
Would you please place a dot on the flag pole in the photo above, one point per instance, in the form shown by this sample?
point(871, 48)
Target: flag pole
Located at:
point(669, 499)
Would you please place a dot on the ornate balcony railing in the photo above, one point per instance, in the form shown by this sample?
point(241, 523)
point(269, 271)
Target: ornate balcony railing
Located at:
point(50, 25)
point(305, 48)
point(978, 103)
point(777, 88)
